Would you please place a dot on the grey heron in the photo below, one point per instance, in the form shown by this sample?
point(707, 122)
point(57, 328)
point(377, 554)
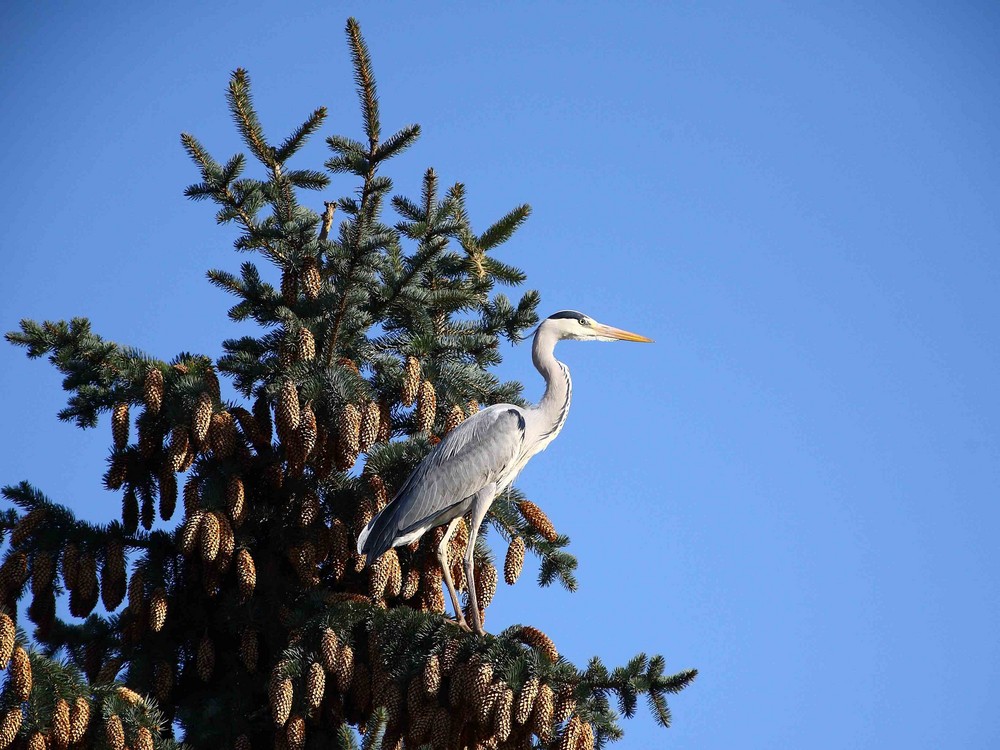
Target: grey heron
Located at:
point(481, 457)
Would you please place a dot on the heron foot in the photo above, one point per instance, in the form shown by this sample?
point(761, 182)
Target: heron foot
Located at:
point(461, 623)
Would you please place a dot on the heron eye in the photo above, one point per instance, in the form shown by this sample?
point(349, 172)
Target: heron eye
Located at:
point(585, 321)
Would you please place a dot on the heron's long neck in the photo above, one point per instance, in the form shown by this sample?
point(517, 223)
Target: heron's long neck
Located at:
point(554, 406)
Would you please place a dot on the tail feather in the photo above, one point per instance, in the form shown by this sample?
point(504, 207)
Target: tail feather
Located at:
point(378, 535)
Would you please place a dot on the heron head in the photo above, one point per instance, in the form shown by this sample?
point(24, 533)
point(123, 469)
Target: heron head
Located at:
point(570, 324)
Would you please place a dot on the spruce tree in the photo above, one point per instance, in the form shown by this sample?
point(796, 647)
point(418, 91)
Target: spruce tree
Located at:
point(253, 622)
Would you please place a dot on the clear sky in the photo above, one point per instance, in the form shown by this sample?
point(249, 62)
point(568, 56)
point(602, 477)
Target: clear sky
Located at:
point(795, 490)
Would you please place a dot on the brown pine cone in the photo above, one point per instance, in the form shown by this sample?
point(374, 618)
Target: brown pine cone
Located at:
point(249, 649)
point(152, 390)
point(8, 635)
point(206, 658)
point(201, 418)
point(455, 417)
point(178, 448)
point(295, 733)
point(281, 694)
point(432, 675)
point(538, 641)
point(114, 732)
point(163, 680)
point(503, 714)
point(343, 671)
point(20, 674)
point(315, 685)
point(236, 500)
point(130, 511)
point(540, 723)
point(312, 280)
point(246, 573)
point(168, 494)
point(514, 562)
point(348, 436)
point(120, 425)
point(426, 407)
point(10, 725)
point(61, 723)
point(526, 700)
point(384, 422)
point(157, 609)
point(210, 537)
point(222, 434)
point(565, 704)
point(192, 495)
point(79, 720)
point(534, 516)
point(287, 413)
point(368, 434)
point(411, 380)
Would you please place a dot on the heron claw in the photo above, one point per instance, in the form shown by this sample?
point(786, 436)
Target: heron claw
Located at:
point(461, 623)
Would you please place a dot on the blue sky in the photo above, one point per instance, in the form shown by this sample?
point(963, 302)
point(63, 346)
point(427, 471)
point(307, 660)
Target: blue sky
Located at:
point(795, 489)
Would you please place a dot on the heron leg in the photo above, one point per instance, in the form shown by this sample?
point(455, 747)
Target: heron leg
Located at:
point(480, 504)
point(442, 556)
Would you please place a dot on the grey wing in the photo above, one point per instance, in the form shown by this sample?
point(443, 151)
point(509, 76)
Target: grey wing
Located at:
point(474, 454)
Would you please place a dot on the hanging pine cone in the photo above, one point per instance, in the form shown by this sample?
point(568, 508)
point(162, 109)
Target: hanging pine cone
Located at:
point(585, 739)
point(190, 532)
point(178, 449)
point(119, 425)
point(20, 674)
point(8, 635)
point(287, 412)
point(163, 680)
point(526, 700)
point(569, 735)
point(246, 573)
point(113, 576)
point(152, 390)
point(192, 495)
point(411, 380)
point(538, 641)
point(117, 473)
point(262, 417)
point(309, 509)
point(348, 434)
point(38, 741)
point(411, 584)
point(368, 434)
point(305, 345)
point(514, 562)
point(168, 494)
point(471, 407)
point(114, 732)
point(60, 723)
point(384, 422)
point(206, 658)
point(143, 739)
point(281, 694)
point(455, 417)
point(236, 500)
point(343, 671)
point(315, 685)
point(540, 723)
point(227, 544)
point(289, 287)
point(147, 513)
point(210, 537)
point(426, 407)
point(295, 733)
point(486, 585)
point(130, 511)
point(311, 279)
point(534, 516)
point(222, 434)
point(307, 432)
point(432, 675)
point(157, 609)
point(502, 714)
point(329, 646)
point(14, 574)
point(10, 725)
point(43, 571)
point(565, 704)
point(248, 649)
point(79, 720)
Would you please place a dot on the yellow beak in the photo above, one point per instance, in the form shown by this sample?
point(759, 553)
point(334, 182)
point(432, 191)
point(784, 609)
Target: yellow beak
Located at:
point(618, 333)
